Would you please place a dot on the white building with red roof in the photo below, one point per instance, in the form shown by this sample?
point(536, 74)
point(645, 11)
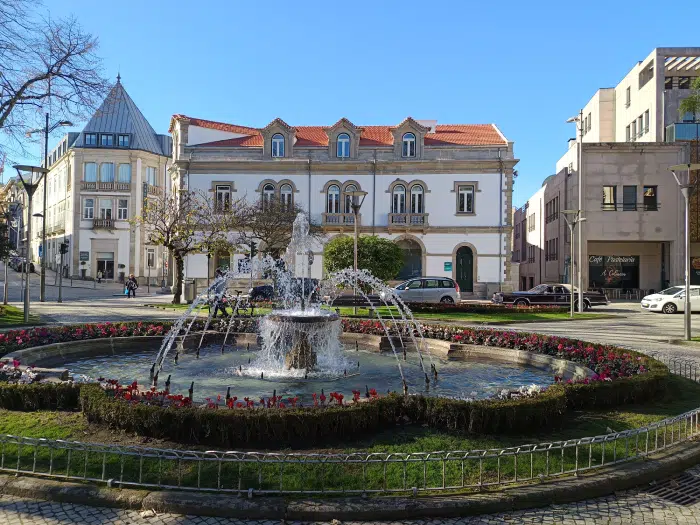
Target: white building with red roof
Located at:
point(441, 191)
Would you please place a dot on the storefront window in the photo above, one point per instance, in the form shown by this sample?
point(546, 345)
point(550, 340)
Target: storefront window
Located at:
point(613, 271)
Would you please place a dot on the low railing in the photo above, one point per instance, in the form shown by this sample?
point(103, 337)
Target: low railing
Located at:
point(154, 190)
point(103, 223)
point(331, 219)
point(408, 219)
point(105, 186)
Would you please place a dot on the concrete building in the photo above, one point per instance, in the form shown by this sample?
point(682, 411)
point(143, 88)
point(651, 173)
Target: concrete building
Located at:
point(98, 179)
point(442, 192)
point(627, 138)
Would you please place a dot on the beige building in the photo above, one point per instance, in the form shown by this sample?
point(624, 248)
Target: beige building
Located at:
point(98, 180)
point(632, 238)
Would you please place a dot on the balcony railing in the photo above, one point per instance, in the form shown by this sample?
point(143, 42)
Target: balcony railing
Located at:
point(338, 219)
point(683, 131)
point(105, 186)
point(56, 227)
point(408, 219)
point(155, 190)
point(102, 223)
point(629, 206)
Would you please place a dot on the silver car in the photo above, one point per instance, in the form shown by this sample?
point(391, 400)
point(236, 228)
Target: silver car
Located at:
point(428, 290)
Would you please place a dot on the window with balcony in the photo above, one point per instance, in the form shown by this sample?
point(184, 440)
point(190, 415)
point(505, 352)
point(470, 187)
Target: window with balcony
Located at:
point(105, 208)
point(343, 145)
point(124, 173)
point(107, 140)
point(223, 197)
point(640, 125)
point(465, 199)
point(151, 176)
point(90, 172)
point(629, 198)
point(650, 203)
point(398, 199)
point(123, 141)
point(609, 197)
point(633, 127)
point(417, 194)
point(409, 145)
point(348, 198)
point(333, 199)
point(277, 145)
point(106, 172)
point(268, 195)
point(286, 196)
point(123, 209)
point(88, 208)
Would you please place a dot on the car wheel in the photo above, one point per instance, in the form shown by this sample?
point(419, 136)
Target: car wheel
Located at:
point(586, 305)
point(521, 302)
point(669, 308)
point(447, 300)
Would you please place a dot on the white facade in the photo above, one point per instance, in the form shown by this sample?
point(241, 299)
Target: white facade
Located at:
point(434, 233)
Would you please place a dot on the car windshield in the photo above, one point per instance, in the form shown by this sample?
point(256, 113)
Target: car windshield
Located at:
point(540, 288)
point(671, 291)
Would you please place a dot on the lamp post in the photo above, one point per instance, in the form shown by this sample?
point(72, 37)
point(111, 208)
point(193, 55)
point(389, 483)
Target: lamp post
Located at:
point(357, 198)
point(8, 216)
point(46, 130)
point(30, 186)
point(578, 119)
point(572, 218)
point(683, 180)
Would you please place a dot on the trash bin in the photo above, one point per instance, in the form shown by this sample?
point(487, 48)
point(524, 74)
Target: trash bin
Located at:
point(190, 290)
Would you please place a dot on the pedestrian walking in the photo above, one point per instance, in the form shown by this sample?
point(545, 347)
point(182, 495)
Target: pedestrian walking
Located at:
point(131, 286)
point(99, 276)
point(220, 298)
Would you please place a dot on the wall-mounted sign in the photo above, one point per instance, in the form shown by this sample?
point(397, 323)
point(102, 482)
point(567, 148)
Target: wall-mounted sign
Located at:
point(84, 256)
point(613, 271)
point(447, 266)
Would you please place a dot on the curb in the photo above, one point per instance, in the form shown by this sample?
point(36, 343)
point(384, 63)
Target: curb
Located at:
point(597, 484)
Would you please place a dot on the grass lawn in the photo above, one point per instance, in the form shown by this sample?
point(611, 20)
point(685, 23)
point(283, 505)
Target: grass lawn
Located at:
point(682, 396)
point(495, 317)
point(12, 316)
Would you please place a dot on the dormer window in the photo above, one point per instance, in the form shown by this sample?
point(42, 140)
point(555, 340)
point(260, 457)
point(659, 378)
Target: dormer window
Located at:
point(409, 145)
point(343, 146)
point(123, 141)
point(107, 140)
point(91, 139)
point(277, 145)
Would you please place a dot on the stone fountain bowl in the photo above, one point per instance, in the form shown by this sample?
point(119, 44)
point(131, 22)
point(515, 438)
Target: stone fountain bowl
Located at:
point(292, 317)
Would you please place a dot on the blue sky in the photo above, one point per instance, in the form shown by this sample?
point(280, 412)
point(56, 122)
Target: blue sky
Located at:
point(526, 66)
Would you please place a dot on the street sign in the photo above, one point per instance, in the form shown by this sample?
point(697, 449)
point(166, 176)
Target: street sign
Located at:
point(311, 257)
point(84, 256)
point(41, 250)
point(447, 266)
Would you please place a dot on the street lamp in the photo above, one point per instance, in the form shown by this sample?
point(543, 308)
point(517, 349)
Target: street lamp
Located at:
point(683, 180)
point(30, 186)
point(357, 198)
point(46, 130)
point(4, 210)
point(578, 119)
point(572, 219)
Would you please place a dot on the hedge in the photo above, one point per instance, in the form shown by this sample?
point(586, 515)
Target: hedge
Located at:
point(471, 308)
point(39, 396)
point(280, 428)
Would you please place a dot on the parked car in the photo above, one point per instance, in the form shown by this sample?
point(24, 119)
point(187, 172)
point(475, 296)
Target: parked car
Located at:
point(428, 290)
point(550, 295)
point(264, 292)
point(672, 300)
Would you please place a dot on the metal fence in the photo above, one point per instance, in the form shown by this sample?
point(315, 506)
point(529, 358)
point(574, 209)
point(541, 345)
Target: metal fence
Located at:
point(348, 473)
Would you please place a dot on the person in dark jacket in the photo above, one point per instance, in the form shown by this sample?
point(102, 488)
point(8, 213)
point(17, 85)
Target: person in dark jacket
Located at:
point(131, 286)
point(219, 294)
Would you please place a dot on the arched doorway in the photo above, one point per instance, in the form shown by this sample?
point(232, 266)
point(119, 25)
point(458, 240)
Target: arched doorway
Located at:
point(412, 259)
point(465, 269)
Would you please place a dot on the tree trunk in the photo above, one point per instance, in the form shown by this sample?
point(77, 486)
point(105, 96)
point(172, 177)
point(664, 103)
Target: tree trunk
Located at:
point(179, 276)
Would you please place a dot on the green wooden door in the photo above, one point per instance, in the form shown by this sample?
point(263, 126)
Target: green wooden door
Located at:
point(465, 269)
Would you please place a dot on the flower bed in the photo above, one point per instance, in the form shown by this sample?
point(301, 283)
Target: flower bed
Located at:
point(470, 308)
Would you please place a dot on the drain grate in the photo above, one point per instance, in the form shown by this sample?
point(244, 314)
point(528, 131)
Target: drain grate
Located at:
point(683, 489)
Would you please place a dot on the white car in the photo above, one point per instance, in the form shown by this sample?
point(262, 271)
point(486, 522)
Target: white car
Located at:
point(672, 300)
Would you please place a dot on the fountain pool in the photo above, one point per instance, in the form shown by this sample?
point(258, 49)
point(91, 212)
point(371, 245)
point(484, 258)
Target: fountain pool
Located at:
point(215, 371)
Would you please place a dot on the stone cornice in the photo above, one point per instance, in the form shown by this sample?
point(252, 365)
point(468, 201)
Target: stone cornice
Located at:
point(358, 167)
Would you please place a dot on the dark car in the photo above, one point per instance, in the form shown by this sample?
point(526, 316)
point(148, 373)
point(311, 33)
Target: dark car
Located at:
point(550, 295)
point(261, 293)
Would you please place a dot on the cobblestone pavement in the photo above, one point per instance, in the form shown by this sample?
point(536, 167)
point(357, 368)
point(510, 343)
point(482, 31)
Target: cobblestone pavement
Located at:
point(629, 508)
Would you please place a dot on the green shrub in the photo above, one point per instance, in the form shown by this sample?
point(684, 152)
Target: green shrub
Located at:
point(39, 396)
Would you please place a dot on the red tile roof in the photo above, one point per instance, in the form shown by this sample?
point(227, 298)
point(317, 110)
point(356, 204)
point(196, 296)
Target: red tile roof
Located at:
point(444, 135)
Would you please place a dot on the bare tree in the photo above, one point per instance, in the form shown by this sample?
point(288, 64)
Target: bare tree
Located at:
point(270, 224)
point(186, 223)
point(44, 62)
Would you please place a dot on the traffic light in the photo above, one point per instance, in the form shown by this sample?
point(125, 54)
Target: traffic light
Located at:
point(64, 247)
point(253, 250)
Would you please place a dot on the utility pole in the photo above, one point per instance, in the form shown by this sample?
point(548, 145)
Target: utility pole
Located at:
point(42, 291)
